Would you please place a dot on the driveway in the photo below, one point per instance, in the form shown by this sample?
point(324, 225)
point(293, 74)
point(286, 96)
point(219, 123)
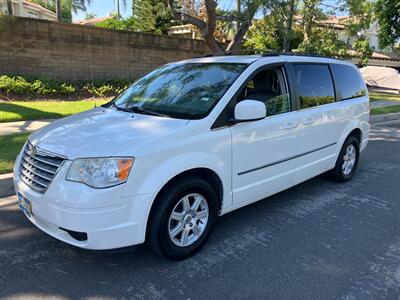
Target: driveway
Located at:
point(318, 240)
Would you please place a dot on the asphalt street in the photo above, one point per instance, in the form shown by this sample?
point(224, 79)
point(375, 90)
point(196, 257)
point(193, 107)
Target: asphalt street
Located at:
point(318, 240)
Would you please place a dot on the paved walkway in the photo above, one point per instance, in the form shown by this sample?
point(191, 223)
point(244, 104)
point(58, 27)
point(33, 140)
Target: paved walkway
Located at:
point(22, 126)
point(383, 103)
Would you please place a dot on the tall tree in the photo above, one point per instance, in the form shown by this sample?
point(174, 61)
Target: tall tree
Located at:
point(289, 24)
point(311, 13)
point(9, 7)
point(207, 25)
point(58, 10)
point(269, 33)
point(361, 15)
point(66, 7)
point(388, 15)
point(151, 16)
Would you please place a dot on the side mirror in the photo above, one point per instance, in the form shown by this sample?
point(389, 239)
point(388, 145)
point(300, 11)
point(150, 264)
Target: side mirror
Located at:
point(250, 110)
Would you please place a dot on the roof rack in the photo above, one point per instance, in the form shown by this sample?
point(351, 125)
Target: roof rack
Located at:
point(273, 53)
point(205, 55)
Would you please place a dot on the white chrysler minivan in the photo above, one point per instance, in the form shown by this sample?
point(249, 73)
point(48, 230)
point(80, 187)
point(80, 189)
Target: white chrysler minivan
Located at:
point(188, 142)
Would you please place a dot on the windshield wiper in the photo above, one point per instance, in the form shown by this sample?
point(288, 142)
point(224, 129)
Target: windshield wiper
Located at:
point(146, 111)
point(112, 104)
point(139, 109)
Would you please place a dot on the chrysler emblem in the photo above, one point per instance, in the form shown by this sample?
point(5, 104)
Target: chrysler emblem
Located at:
point(33, 150)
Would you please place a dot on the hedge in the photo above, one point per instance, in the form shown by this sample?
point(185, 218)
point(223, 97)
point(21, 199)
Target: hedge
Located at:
point(20, 85)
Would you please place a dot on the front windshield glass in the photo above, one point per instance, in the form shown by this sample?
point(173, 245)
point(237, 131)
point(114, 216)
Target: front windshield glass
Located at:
point(186, 91)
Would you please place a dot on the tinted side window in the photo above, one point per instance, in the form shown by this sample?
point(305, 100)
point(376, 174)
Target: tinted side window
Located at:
point(314, 84)
point(348, 81)
point(268, 86)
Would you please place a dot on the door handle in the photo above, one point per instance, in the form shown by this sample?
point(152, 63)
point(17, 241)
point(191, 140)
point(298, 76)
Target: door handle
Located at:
point(308, 121)
point(290, 125)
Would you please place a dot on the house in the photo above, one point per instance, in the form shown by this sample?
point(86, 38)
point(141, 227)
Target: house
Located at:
point(187, 31)
point(338, 23)
point(93, 21)
point(27, 9)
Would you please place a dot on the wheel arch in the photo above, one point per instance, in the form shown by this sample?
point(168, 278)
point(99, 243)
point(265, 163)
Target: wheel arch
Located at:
point(354, 128)
point(205, 173)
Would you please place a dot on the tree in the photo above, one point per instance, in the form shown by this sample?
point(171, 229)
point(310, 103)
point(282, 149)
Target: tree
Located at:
point(9, 7)
point(324, 42)
point(58, 10)
point(311, 14)
point(269, 34)
point(388, 15)
point(89, 16)
point(286, 10)
point(152, 16)
point(289, 10)
point(207, 25)
point(66, 7)
point(360, 19)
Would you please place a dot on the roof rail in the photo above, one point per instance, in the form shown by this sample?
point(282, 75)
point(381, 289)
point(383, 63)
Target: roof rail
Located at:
point(272, 53)
point(205, 55)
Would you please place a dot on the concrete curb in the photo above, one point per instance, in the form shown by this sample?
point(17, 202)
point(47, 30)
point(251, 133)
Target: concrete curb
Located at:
point(6, 185)
point(384, 118)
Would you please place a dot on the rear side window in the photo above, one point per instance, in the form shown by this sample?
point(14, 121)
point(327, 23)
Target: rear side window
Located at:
point(349, 82)
point(314, 84)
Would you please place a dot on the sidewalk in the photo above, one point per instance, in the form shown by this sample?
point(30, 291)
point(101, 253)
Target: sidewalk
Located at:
point(382, 103)
point(22, 126)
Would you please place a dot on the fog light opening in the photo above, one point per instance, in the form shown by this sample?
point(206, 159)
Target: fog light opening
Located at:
point(79, 236)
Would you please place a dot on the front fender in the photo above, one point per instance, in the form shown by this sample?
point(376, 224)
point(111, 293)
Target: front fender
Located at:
point(179, 164)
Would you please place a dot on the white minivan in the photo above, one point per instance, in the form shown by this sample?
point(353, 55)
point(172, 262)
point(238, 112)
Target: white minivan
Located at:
point(189, 142)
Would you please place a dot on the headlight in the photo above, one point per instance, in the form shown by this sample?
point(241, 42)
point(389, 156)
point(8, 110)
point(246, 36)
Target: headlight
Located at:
point(100, 172)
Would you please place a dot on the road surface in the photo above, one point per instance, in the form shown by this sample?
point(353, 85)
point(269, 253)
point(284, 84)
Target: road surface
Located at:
point(318, 240)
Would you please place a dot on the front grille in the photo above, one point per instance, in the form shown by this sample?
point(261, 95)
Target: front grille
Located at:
point(38, 167)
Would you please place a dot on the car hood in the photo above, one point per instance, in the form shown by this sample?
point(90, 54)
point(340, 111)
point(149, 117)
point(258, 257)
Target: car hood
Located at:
point(102, 132)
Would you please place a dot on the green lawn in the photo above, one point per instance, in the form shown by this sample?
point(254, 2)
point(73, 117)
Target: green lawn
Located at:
point(385, 110)
point(35, 110)
point(374, 96)
point(10, 146)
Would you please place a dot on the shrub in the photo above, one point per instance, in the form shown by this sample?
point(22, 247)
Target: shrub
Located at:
point(15, 84)
point(43, 86)
point(46, 86)
point(101, 88)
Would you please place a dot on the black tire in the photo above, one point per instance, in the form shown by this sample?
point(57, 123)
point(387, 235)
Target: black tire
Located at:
point(158, 238)
point(337, 173)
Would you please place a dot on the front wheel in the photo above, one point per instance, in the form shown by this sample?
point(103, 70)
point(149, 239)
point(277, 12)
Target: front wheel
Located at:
point(347, 161)
point(182, 218)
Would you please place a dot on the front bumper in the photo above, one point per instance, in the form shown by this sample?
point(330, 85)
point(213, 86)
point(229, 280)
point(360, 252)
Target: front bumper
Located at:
point(109, 218)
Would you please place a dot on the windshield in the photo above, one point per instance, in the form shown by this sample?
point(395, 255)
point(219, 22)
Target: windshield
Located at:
point(186, 91)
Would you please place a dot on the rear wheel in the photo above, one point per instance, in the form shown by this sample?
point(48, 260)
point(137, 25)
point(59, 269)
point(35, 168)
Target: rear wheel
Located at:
point(347, 162)
point(182, 218)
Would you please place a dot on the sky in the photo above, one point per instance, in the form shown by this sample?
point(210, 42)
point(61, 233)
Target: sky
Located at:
point(102, 8)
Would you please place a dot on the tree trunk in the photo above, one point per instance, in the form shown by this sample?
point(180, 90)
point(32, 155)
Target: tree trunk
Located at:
point(309, 8)
point(9, 7)
point(246, 21)
point(289, 24)
point(238, 15)
point(58, 10)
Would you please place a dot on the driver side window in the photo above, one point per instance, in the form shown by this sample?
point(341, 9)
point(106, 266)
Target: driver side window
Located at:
point(268, 86)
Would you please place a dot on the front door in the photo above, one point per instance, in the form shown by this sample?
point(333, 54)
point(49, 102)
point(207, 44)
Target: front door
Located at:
point(264, 152)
